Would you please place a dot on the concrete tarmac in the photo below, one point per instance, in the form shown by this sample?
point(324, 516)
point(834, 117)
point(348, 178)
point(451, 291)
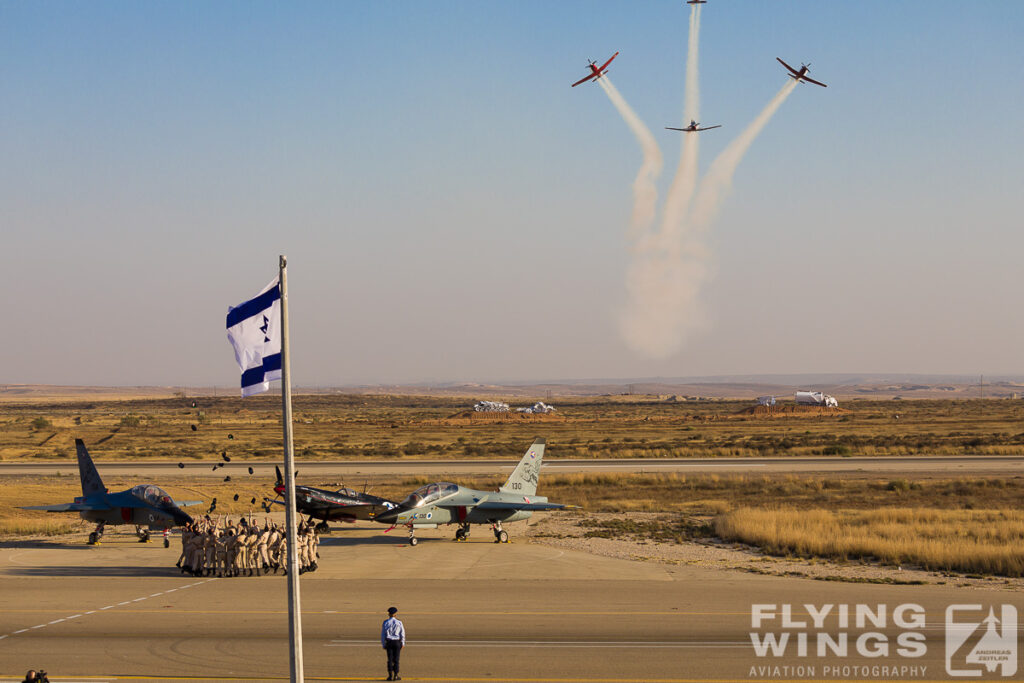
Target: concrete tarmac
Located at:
point(475, 611)
point(969, 465)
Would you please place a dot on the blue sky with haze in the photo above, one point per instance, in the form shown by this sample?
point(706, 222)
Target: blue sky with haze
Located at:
point(452, 210)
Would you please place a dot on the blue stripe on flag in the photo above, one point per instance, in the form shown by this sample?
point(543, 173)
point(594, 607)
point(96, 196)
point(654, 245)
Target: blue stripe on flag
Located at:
point(272, 362)
point(252, 376)
point(253, 306)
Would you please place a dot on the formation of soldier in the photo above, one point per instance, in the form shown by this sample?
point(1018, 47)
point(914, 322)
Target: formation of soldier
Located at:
point(222, 548)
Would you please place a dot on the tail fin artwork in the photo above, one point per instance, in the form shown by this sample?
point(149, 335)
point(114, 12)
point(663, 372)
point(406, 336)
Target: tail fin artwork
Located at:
point(91, 482)
point(523, 479)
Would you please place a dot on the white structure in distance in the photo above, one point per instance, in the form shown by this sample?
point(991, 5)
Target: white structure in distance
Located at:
point(816, 398)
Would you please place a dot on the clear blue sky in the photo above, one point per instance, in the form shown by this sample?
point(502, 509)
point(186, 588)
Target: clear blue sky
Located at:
point(452, 210)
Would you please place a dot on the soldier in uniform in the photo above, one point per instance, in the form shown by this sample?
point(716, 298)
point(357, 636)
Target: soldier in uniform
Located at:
point(263, 559)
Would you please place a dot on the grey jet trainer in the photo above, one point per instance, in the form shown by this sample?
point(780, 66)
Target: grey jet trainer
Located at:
point(142, 505)
point(447, 503)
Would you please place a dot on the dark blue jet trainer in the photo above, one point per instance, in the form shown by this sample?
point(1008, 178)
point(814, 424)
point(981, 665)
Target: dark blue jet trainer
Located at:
point(142, 505)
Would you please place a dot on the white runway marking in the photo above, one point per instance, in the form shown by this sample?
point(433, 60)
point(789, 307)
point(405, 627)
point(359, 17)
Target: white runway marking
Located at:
point(666, 644)
point(75, 616)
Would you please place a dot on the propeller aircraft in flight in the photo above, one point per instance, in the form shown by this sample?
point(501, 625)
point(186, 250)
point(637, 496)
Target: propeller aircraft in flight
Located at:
point(800, 75)
point(596, 71)
point(694, 127)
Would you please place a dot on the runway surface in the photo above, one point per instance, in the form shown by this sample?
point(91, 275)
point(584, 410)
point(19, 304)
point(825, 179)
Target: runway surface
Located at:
point(941, 465)
point(475, 611)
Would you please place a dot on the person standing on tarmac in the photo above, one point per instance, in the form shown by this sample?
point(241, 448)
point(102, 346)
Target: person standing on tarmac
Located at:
point(392, 637)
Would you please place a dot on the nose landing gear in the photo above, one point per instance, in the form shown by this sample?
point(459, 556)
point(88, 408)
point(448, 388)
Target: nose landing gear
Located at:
point(94, 537)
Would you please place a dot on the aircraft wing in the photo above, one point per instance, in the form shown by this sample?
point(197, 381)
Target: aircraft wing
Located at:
point(811, 80)
point(670, 128)
point(498, 505)
point(582, 80)
point(67, 507)
point(795, 72)
point(709, 127)
point(605, 65)
point(187, 503)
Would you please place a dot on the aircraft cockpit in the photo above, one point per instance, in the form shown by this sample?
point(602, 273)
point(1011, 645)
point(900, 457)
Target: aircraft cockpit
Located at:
point(154, 495)
point(425, 495)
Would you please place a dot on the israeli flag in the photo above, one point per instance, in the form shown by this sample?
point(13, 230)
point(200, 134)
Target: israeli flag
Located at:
point(254, 330)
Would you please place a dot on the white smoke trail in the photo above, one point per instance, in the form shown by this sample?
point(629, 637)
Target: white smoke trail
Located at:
point(718, 181)
point(645, 190)
point(663, 279)
point(685, 182)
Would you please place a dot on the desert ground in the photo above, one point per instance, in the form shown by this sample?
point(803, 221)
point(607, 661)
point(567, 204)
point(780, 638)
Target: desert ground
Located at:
point(688, 513)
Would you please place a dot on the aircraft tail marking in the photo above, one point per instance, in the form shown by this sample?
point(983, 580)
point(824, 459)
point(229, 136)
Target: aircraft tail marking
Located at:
point(91, 482)
point(523, 479)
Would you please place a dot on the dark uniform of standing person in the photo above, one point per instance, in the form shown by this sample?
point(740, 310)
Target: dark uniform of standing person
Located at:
point(392, 637)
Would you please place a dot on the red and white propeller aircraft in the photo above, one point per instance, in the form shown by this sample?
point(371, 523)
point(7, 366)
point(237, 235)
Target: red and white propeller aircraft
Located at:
point(801, 75)
point(596, 71)
point(694, 127)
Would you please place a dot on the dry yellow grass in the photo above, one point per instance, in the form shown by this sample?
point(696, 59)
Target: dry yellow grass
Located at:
point(972, 541)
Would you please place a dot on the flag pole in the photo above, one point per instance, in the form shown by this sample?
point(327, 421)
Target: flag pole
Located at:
point(294, 609)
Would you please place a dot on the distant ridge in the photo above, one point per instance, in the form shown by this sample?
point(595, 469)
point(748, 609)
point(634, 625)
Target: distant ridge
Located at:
point(842, 385)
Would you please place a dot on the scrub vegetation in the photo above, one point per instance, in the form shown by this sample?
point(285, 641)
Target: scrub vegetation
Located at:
point(957, 524)
point(336, 426)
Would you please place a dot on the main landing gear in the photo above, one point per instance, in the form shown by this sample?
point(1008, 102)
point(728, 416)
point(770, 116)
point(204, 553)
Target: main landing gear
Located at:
point(323, 528)
point(167, 541)
point(143, 534)
point(462, 533)
point(94, 537)
point(500, 535)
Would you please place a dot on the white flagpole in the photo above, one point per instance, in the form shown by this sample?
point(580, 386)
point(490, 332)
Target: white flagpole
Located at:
point(294, 609)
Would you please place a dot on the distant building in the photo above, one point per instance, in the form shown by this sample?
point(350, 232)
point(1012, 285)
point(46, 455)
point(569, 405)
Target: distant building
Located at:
point(765, 400)
point(815, 398)
point(491, 407)
point(538, 408)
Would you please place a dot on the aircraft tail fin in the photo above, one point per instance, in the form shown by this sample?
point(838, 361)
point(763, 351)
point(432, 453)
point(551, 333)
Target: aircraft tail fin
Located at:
point(91, 482)
point(523, 479)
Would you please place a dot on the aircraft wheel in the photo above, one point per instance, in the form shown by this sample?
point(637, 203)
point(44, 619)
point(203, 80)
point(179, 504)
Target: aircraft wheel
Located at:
point(323, 528)
point(413, 541)
point(460, 534)
point(167, 544)
point(502, 537)
point(92, 538)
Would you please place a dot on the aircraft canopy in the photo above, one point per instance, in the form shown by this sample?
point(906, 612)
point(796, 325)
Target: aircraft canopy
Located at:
point(154, 495)
point(429, 493)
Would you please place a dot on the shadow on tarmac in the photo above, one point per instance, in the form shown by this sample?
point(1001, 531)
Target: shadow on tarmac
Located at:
point(99, 572)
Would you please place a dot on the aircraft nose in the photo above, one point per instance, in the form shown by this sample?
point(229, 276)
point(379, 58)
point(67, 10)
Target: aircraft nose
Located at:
point(182, 518)
point(388, 516)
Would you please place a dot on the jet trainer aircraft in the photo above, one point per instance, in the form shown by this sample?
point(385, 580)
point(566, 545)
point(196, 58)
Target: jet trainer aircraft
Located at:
point(343, 505)
point(694, 127)
point(142, 505)
point(595, 71)
point(447, 503)
point(801, 74)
